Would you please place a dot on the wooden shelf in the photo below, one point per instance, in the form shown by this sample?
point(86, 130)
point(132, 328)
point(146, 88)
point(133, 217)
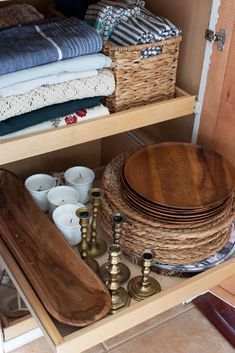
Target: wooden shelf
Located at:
point(52, 140)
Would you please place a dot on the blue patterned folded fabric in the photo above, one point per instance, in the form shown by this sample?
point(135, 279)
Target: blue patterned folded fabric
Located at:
point(106, 15)
point(134, 2)
point(146, 28)
point(45, 42)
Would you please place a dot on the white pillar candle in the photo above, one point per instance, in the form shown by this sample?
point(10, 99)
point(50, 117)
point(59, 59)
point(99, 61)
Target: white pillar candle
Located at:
point(38, 186)
point(80, 178)
point(62, 195)
point(67, 222)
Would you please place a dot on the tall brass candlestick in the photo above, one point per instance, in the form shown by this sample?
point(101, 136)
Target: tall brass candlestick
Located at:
point(144, 286)
point(96, 246)
point(123, 275)
point(119, 295)
point(117, 219)
point(84, 216)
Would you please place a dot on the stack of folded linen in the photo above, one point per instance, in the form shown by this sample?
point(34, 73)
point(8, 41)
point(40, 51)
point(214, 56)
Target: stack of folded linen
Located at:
point(80, 115)
point(49, 69)
point(128, 22)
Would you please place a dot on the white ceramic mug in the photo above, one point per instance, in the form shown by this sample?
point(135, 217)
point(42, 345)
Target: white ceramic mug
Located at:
point(80, 178)
point(39, 185)
point(62, 195)
point(67, 222)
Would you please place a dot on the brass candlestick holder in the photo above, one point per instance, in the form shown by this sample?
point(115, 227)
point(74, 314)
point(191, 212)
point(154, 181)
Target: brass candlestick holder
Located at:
point(124, 273)
point(96, 247)
point(117, 219)
point(84, 215)
point(119, 295)
point(144, 286)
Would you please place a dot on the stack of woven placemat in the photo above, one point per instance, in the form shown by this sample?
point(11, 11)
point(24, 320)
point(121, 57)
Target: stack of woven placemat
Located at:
point(176, 238)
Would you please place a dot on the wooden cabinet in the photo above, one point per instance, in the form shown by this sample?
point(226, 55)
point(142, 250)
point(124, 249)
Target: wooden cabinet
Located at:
point(162, 120)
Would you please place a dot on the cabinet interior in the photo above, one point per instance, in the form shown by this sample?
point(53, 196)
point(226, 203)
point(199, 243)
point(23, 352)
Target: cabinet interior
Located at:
point(192, 16)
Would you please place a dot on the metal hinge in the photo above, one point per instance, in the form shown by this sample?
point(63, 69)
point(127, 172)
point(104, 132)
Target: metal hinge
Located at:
point(219, 38)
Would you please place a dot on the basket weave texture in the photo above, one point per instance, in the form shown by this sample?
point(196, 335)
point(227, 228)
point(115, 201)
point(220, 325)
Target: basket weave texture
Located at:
point(172, 243)
point(142, 81)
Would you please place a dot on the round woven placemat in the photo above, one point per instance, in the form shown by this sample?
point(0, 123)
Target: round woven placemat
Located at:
point(172, 243)
point(165, 243)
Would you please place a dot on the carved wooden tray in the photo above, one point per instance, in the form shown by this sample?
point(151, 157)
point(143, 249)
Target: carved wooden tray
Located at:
point(66, 286)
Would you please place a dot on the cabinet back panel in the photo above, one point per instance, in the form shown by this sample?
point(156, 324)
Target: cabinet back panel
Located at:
point(193, 17)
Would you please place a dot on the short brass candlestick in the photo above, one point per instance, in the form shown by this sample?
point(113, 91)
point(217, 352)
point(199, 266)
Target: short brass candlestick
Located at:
point(96, 246)
point(144, 286)
point(119, 295)
point(124, 273)
point(84, 215)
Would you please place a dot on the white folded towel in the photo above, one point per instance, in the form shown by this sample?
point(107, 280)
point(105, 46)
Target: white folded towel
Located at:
point(81, 63)
point(27, 86)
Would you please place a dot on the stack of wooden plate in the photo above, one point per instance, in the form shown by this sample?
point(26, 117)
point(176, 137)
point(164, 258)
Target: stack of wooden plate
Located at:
point(177, 183)
point(178, 199)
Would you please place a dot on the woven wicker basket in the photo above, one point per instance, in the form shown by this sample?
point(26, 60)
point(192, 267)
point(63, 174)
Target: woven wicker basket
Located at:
point(172, 243)
point(142, 81)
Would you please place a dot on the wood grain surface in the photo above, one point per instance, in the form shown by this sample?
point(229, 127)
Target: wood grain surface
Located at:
point(179, 175)
point(170, 211)
point(168, 217)
point(66, 286)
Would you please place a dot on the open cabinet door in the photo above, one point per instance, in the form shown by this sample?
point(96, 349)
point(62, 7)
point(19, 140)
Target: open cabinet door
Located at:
point(217, 126)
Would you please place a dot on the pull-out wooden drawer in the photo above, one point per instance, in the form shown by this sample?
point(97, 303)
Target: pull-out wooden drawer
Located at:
point(65, 339)
point(54, 139)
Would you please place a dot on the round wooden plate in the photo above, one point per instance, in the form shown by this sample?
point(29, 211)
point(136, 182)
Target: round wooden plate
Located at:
point(179, 175)
point(165, 219)
point(170, 210)
point(183, 217)
point(169, 218)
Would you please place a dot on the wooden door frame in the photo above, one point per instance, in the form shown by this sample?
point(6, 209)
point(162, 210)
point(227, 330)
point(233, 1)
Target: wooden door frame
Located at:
point(216, 76)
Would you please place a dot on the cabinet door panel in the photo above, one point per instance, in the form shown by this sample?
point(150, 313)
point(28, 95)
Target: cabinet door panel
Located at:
point(217, 128)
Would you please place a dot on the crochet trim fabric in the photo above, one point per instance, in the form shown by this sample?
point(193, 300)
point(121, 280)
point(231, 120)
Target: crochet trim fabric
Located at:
point(101, 85)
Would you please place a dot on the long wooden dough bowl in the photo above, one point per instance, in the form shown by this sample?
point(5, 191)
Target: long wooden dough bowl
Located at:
point(66, 286)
